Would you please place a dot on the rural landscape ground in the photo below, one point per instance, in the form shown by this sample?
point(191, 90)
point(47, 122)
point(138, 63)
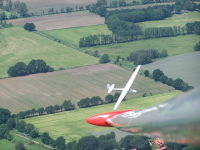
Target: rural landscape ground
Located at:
point(78, 74)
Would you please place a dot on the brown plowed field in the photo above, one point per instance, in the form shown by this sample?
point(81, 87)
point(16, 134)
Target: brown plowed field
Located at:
point(38, 6)
point(60, 21)
point(41, 90)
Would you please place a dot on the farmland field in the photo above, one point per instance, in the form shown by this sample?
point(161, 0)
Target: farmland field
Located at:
point(77, 33)
point(185, 66)
point(175, 20)
point(72, 125)
point(18, 45)
point(173, 45)
point(60, 21)
point(42, 90)
point(38, 6)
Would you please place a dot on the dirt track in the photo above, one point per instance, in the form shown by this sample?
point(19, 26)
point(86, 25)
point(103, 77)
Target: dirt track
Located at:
point(61, 21)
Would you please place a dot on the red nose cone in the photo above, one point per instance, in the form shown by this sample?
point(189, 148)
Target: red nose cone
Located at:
point(101, 119)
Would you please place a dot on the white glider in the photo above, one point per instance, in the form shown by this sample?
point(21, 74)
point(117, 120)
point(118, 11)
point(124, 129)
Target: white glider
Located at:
point(125, 89)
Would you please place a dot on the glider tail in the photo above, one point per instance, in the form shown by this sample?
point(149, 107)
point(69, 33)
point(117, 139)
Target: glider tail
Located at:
point(110, 87)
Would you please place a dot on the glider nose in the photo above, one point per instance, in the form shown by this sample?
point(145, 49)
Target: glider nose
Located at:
point(99, 120)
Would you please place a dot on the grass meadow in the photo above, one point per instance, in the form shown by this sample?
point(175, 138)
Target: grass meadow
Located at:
point(42, 90)
point(72, 125)
point(18, 45)
point(73, 35)
point(175, 20)
point(173, 45)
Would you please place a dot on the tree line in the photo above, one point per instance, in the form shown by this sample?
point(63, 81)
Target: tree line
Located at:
point(34, 66)
point(159, 76)
point(142, 57)
point(15, 8)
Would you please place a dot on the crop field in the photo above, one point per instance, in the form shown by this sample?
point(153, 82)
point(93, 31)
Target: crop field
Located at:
point(173, 45)
point(38, 6)
point(185, 66)
point(18, 45)
point(42, 90)
point(72, 125)
point(60, 21)
point(77, 33)
point(175, 20)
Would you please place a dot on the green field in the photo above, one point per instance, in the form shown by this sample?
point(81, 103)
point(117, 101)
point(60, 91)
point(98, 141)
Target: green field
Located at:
point(6, 145)
point(173, 45)
point(18, 45)
point(175, 20)
point(72, 125)
point(73, 35)
point(42, 90)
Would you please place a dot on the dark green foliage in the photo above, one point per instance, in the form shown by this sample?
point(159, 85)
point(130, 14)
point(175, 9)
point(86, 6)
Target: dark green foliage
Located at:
point(34, 66)
point(88, 143)
point(38, 66)
point(29, 127)
point(29, 27)
point(193, 28)
point(5, 114)
point(163, 79)
point(157, 74)
point(104, 59)
point(175, 146)
point(21, 8)
point(11, 123)
point(3, 16)
point(21, 126)
point(102, 11)
point(169, 81)
point(49, 109)
point(146, 73)
point(140, 143)
point(19, 145)
point(109, 98)
point(192, 147)
point(34, 133)
point(197, 47)
point(141, 57)
point(67, 105)
point(19, 69)
point(60, 143)
point(3, 131)
point(72, 145)
point(135, 141)
point(46, 139)
point(107, 142)
point(40, 111)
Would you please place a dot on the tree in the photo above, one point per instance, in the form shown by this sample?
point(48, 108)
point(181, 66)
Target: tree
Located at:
point(5, 114)
point(21, 126)
point(11, 123)
point(29, 27)
point(34, 133)
point(163, 79)
point(102, 11)
point(157, 73)
point(3, 131)
point(197, 47)
point(46, 139)
point(60, 143)
point(177, 84)
point(40, 111)
point(19, 69)
point(88, 143)
point(104, 59)
point(146, 73)
point(140, 143)
point(67, 105)
point(109, 98)
point(19, 145)
point(29, 127)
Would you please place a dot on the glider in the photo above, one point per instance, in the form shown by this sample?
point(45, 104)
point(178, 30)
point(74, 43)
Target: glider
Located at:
point(124, 90)
point(176, 120)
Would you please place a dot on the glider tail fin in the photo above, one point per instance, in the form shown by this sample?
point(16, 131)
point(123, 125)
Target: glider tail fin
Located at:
point(110, 87)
